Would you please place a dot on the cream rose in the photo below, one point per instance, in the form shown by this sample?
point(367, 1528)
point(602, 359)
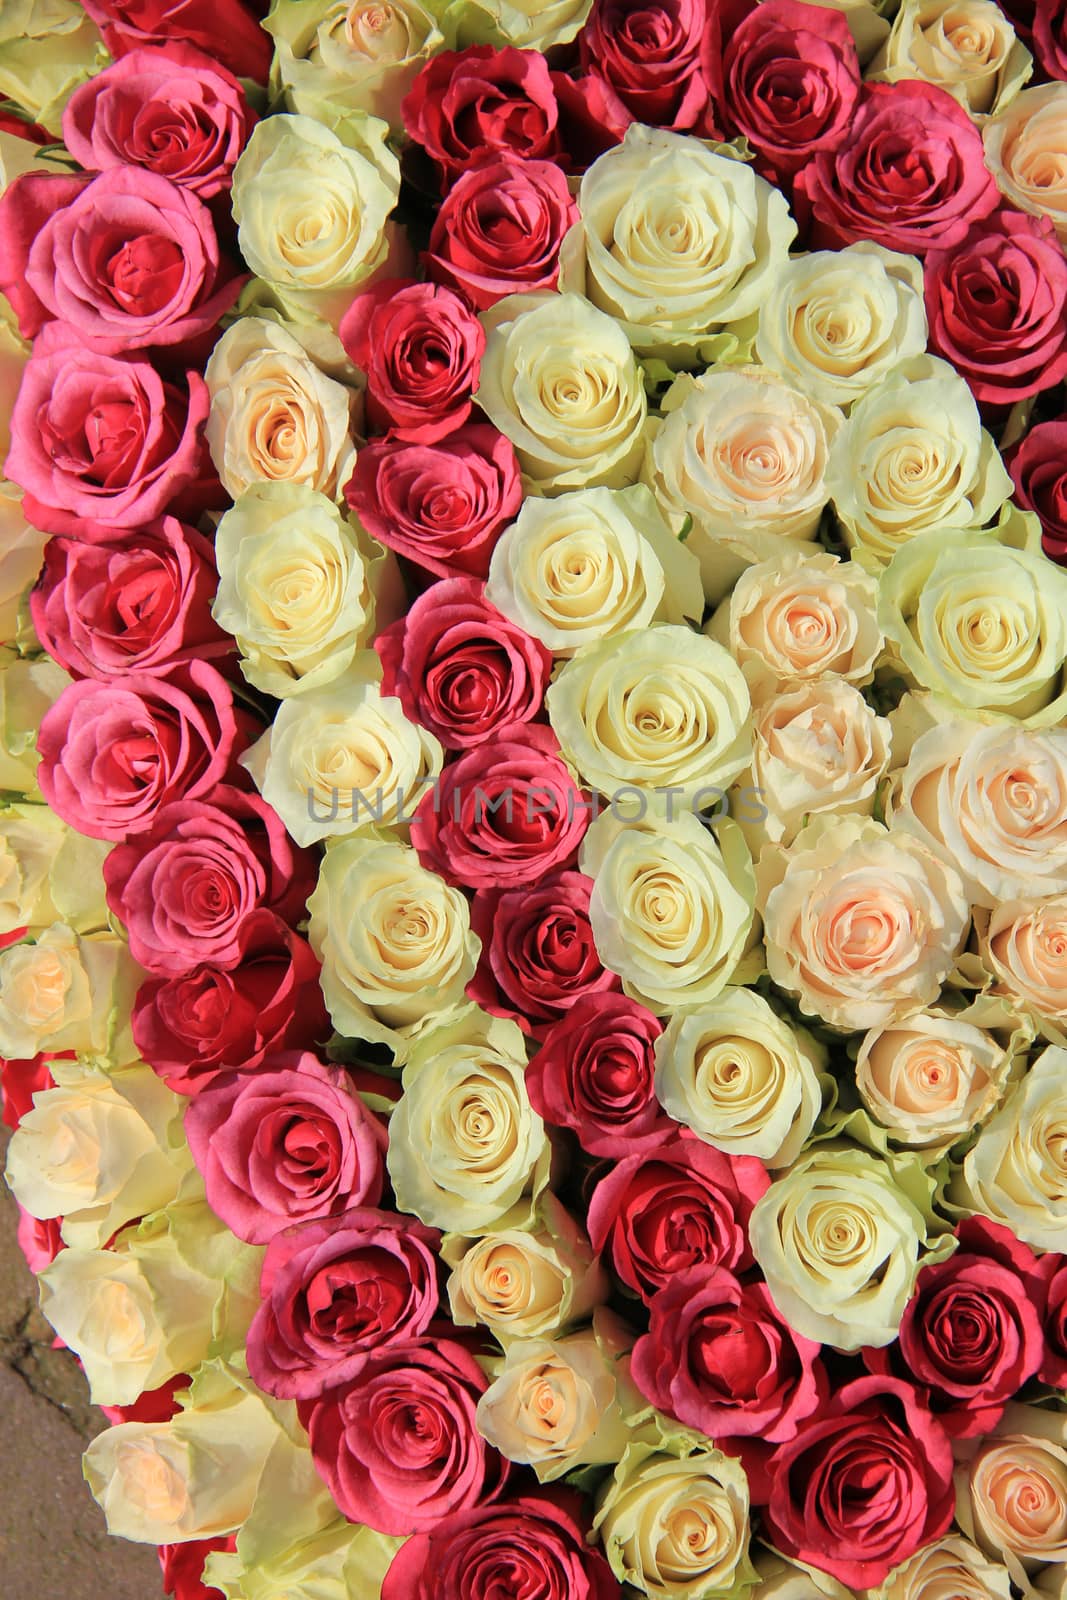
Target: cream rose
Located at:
point(1025, 945)
point(862, 925)
point(21, 548)
point(47, 48)
point(1011, 1497)
point(745, 456)
point(1026, 151)
point(913, 456)
point(31, 838)
point(1016, 1172)
point(740, 1077)
point(27, 689)
point(529, 24)
point(275, 416)
point(60, 992)
point(675, 240)
point(665, 708)
point(950, 1569)
point(294, 588)
point(836, 322)
point(558, 378)
point(394, 940)
point(592, 564)
point(965, 46)
point(929, 1079)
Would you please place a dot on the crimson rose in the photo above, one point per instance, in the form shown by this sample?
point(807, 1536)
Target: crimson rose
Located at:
point(466, 103)
point(226, 30)
point(1039, 471)
point(648, 52)
point(499, 230)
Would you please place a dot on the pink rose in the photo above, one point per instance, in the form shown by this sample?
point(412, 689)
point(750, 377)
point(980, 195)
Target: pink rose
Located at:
point(226, 30)
point(466, 104)
point(113, 754)
point(39, 1241)
point(290, 1142)
point(335, 1293)
point(648, 53)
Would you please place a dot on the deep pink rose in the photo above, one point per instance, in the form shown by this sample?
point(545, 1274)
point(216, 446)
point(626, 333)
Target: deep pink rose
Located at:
point(1052, 1275)
point(113, 754)
point(911, 176)
point(421, 348)
point(595, 1074)
point(226, 30)
point(718, 1357)
point(19, 1082)
point(173, 110)
point(102, 444)
point(40, 1241)
point(102, 611)
point(186, 888)
point(444, 505)
point(648, 53)
point(865, 1483)
point(335, 1293)
point(183, 1566)
point(461, 669)
point(399, 1447)
point(502, 815)
point(211, 1019)
point(499, 230)
point(468, 103)
point(538, 955)
point(683, 1204)
point(1039, 471)
point(289, 1142)
point(996, 304)
point(1049, 42)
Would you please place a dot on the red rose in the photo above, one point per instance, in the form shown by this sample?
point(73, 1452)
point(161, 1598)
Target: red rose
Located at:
point(186, 888)
point(444, 505)
point(183, 1566)
point(912, 175)
point(534, 1546)
point(226, 30)
point(1039, 471)
point(461, 669)
point(19, 1082)
point(113, 754)
point(648, 52)
point(290, 1142)
point(468, 103)
point(503, 814)
point(538, 955)
point(399, 1447)
point(153, 1405)
point(104, 610)
point(595, 1074)
point(1052, 1275)
point(173, 110)
point(499, 230)
point(996, 304)
point(681, 1205)
point(335, 1293)
point(210, 1019)
point(1049, 39)
point(718, 1357)
point(863, 1485)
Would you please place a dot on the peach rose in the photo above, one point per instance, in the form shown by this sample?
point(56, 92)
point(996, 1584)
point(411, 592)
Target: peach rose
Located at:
point(929, 1078)
point(1012, 1496)
point(1026, 151)
point(1025, 944)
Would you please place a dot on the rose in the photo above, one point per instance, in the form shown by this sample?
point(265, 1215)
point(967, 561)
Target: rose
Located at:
point(910, 175)
point(228, 32)
point(58, 991)
point(101, 444)
point(39, 1241)
point(1014, 1171)
point(174, 110)
point(741, 1078)
point(929, 1078)
point(460, 668)
point(443, 506)
point(681, 1205)
point(21, 548)
point(466, 102)
point(112, 755)
point(863, 925)
point(675, 241)
point(31, 840)
point(288, 1142)
point(1052, 1271)
point(536, 1541)
point(210, 1019)
point(863, 1485)
point(591, 564)
point(970, 50)
point(949, 1569)
point(835, 322)
point(196, 874)
point(46, 50)
point(1026, 947)
point(1050, 38)
point(1024, 149)
point(28, 689)
point(394, 941)
point(274, 415)
point(1041, 482)
point(649, 55)
point(322, 1565)
point(183, 1567)
point(102, 611)
point(1012, 1495)
point(559, 380)
point(538, 957)
point(499, 229)
point(719, 1358)
point(420, 346)
point(336, 1292)
point(664, 709)
point(502, 815)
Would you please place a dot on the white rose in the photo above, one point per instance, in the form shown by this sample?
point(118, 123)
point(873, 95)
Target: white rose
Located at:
point(529, 24)
point(1026, 151)
point(929, 1078)
point(950, 1569)
point(965, 46)
point(60, 992)
point(1016, 1172)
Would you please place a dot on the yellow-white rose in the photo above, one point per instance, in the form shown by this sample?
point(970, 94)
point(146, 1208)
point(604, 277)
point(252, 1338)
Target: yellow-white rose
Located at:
point(745, 456)
point(343, 758)
point(59, 991)
point(1016, 1172)
point(1026, 151)
point(14, 354)
point(558, 378)
point(47, 48)
point(294, 588)
point(21, 549)
point(965, 46)
point(740, 1077)
point(836, 322)
point(1011, 1497)
point(30, 841)
point(675, 241)
point(914, 456)
point(795, 1580)
point(394, 940)
point(664, 708)
point(529, 24)
point(27, 689)
point(929, 1078)
point(950, 1569)
point(341, 1560)
point(590, 564)
point(1025, 945)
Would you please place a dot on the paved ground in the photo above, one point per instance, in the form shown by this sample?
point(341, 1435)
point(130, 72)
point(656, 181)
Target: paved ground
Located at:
point(53, 1543)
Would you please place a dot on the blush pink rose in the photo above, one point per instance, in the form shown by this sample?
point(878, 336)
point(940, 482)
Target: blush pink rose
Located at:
point(226, 30)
